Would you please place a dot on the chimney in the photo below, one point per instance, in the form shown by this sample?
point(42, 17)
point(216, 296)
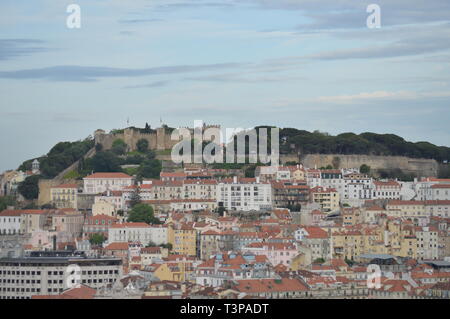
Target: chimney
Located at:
point(54, 242)
point(257, 180)
point(234, 179)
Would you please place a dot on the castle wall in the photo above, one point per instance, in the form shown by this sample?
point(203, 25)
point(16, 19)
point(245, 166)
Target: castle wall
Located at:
point(420, 167)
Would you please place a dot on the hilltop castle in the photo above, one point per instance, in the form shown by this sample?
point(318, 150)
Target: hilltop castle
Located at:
point(158, 139)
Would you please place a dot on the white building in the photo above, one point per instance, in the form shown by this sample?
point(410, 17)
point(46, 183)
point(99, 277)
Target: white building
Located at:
point(112, 197)
point(427, 243)
point(48, 273)
point(245, 194)
point(429, 188)
point(386, 190)
point(130, 232)
point(101, 182)
point(440, 192)
point(159, 234)
point(10, 221)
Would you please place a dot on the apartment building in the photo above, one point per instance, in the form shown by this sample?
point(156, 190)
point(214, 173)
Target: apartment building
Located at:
point(327, 198)
point(98, 183)
point(244, 194)
point(64, 196)
point(51, 272)
point(183, 238)
point(386, 190)
point(130, 232)
point(427, 243)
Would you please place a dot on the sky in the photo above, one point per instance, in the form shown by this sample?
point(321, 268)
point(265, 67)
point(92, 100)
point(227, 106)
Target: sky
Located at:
point(308, 64)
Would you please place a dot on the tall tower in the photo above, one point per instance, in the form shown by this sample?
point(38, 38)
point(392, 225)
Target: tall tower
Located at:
point(35, 167)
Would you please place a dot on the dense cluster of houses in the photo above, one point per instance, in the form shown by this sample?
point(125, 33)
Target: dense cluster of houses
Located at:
point(289, 232)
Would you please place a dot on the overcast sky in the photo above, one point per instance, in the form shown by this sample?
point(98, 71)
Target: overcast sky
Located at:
point(307, 64)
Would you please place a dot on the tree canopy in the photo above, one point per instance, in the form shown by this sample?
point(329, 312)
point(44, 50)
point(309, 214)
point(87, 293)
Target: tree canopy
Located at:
point(119, 147)
point(366, 143)
point(142, 145)
point(6, 201)
point(61, 156)
point(97, 239)
point(29, 188)
point(150, 168)
point(142, 213)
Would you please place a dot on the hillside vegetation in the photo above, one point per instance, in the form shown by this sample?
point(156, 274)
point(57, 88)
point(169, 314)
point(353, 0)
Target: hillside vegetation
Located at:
point(293, 140)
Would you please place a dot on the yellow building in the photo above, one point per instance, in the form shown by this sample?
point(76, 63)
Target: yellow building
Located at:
point(351, 216)
point(297, 172)
point(328, 198)
point(33, 220)
point(64, 196)
point(175, 268)
point(400, 238)
point(183, 239)
point(406, 209)
point(393, 238)
point(169, 272)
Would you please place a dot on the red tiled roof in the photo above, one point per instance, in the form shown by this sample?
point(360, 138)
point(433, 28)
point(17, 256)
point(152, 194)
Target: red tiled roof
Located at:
point(269, 285)
point(131, 225)
point(108, 175)
point(388, 183)
point(18, 212)
point(405, 202)
point(117, 246)
point(315, 232)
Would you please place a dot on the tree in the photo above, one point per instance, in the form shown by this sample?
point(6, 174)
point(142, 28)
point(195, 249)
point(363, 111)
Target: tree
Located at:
point(97, 239)
point(105, 162)
point(119, 147)
point(169, 246)
point(29, 188)
point(135, 197)
point(319, 261)
point(149, 169)
point(142, 145)
point(142, 213)
point(48, 206)
point(349, 262)
point(6, 201)
point(61, 156)
point(364, 169)
point(151, 244)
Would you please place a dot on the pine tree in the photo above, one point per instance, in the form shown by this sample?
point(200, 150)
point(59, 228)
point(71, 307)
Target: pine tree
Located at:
point(135, 197)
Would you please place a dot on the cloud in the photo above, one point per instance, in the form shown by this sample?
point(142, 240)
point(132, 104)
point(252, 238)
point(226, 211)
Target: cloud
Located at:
point(76, 73)
point(150, 85)
point(238, 78)
point(14, 48)
point(142, 20)
point(342, 14)
point(370, 97)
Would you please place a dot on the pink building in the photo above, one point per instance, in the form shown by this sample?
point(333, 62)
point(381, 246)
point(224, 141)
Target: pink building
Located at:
point(276, 253)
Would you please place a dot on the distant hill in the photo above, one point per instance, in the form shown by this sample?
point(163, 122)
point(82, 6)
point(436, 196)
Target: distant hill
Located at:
point(294, 140)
